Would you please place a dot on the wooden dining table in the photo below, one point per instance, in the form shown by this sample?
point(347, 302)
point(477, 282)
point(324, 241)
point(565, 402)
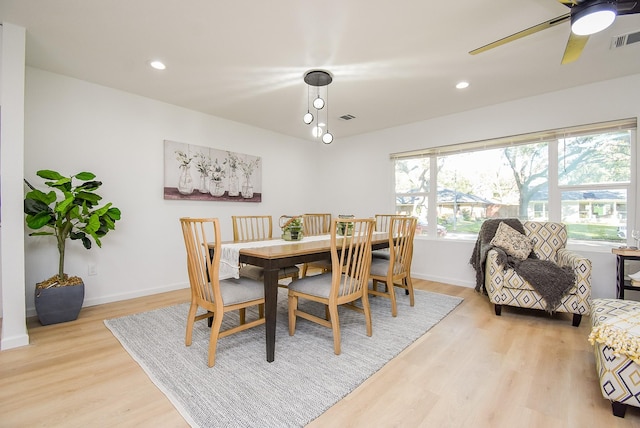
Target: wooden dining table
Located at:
point(272, 258)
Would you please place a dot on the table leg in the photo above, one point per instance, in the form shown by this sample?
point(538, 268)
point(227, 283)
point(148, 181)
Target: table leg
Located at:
point(620, 277)
point(271, 309)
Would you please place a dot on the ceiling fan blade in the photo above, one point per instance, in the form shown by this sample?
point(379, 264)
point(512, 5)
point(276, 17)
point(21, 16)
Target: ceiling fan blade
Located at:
point(531, 30)
point(574, 48)
point(628, 7)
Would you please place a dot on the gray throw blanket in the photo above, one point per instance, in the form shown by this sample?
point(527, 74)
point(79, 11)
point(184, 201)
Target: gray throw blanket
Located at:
point(550, 280)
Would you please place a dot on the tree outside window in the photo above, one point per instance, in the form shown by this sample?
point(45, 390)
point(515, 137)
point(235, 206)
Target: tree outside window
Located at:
point(593, 180)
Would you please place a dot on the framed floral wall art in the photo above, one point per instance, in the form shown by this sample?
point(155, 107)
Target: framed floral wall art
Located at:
point(208, 174)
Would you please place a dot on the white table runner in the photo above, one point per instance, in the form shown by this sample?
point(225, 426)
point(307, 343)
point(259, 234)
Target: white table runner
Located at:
point(230, 257)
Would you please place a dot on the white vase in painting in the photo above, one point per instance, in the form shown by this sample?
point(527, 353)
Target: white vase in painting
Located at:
point(247, 189)
point(216, 188)
point(185, 182)
point(204, 183)
point(234, 188)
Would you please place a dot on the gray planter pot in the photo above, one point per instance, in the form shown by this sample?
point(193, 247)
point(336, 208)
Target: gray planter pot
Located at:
point(59, 304)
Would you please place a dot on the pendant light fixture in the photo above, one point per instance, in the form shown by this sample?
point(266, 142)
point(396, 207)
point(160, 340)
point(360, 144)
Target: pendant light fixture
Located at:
point(318, 79)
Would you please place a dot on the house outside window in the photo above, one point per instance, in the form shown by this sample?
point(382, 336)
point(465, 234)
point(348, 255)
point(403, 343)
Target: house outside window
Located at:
point(586, 185)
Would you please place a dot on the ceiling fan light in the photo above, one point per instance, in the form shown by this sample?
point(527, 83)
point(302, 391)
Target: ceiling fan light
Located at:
point(318, 103)
point(308, 118)
point(593, 19)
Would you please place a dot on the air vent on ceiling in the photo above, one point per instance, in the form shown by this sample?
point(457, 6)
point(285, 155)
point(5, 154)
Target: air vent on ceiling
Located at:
point(347, 117)
point(625, 40)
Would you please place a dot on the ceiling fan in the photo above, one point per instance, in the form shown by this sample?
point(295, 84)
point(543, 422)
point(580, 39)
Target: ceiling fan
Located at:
point(586, 16)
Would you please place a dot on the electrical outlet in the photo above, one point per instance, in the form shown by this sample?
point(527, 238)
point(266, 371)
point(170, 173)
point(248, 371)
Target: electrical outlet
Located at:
point(92, 269)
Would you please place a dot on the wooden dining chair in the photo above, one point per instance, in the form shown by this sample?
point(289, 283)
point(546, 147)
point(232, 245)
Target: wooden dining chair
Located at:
point(258, 228)
point(313, 225)
point(316, 224)
point(396, 271)
point(345, 284)
point(208, 291)
point(252, 227)
point(383, 221)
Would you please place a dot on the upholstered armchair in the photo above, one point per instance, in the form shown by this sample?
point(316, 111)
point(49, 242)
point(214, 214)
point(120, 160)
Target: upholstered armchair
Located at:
point(505, 286)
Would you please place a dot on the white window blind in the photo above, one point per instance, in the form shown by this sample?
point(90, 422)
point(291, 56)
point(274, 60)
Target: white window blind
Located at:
point(534, 137)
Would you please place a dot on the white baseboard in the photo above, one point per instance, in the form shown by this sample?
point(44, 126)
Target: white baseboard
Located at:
point(445, 280)
point(14, 342)
point(31, 311)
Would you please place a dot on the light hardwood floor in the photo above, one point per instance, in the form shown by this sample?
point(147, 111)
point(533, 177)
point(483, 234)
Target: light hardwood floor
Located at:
point(473, 369)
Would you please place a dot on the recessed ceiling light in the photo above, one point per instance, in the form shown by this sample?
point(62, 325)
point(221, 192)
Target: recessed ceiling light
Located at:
point(462, 85)
point(158, 65)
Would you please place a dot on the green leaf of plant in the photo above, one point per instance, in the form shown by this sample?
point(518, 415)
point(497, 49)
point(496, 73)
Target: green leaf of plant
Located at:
point(106, 220)
point(77, 235)
point(40, 233)
point(36, 194)
point(114, 213)
point(63, 182)
point(102, 211)
point(90, 186)
point(34, 207)
point(85, 176)
point(90, 197)
point(62, 206)
point(93, 224)
point(87, 243)
point(49, 174)
point(39, 220)
point(74, 213)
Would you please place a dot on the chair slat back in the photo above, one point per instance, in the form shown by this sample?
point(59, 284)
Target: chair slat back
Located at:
point(203, 264)
point(316, 224)
point(401, 233)
point(383, 221)
point(351, 257)
point(252, 227)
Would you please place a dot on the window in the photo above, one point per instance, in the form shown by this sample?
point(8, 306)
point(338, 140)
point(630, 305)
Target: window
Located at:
point(586, 186)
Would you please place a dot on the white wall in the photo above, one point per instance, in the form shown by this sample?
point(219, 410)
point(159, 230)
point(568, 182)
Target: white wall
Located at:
point(447, 260)
point(73, 125)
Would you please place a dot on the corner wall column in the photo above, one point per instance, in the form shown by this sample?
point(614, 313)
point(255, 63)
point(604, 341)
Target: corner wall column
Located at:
point(12, 275)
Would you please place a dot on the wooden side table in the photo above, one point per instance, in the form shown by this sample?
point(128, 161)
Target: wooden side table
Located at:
point(623, 254)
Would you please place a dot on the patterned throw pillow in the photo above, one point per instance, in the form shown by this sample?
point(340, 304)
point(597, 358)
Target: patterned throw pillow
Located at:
point(512, 242)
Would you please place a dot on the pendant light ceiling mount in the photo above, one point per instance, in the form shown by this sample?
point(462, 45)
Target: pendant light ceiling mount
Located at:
point(318, 79)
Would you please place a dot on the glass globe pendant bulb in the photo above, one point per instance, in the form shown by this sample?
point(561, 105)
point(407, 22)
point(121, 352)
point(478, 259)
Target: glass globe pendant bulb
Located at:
point(327, 138)
point(318, 103)
point(317, 131)
point(308, 118)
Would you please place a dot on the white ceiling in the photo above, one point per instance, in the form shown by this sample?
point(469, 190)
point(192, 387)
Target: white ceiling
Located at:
point(393, 62)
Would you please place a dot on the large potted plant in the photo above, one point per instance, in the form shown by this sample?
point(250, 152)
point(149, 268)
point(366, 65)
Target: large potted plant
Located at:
point(69, 211)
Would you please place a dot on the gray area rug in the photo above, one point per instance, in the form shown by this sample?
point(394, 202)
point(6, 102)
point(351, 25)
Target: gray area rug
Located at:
point(306, 378)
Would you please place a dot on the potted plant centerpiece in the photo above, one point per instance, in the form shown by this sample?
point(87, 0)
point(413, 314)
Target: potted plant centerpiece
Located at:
point(291, 228)
point(344, 229)
point(69, 211)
